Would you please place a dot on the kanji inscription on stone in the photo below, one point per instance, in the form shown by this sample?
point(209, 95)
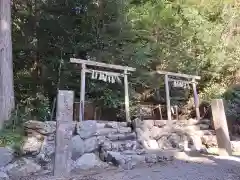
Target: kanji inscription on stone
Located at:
point(62, 164)
point(221, 127)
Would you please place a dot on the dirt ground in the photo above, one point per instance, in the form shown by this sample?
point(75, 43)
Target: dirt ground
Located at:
point(183, 168)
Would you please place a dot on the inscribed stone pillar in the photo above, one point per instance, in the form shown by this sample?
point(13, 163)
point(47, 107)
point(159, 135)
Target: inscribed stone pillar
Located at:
point(62, 166)
point(221, 127)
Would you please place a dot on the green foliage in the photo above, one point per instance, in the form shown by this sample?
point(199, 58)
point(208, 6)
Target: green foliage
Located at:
point(232, 97)
point(194, 37)
point(12, 133)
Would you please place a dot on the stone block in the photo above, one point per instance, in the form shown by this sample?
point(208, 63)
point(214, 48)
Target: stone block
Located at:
point(126, 136)
point(204, 126)
point(4, 176)
point(47, 151)
point(89, 161)
point(6, 156)
point(22, 167)
point(209, 141)
point(115, 124)
point(155, 132)
point(87, 129)
point(160, 123)
point(151, 158)
point(78, 147)
point(235, 146)
point(143, 135)
point(123, 130)
point(105, 131)
point(90, 144)
point(152, 144)
point(45, 128)
point(31, 145)
point(164, 143)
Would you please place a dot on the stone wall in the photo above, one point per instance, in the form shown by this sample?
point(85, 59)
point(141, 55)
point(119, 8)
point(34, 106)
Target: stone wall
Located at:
point(181, 135)
point(99, 144)
point(95, 144)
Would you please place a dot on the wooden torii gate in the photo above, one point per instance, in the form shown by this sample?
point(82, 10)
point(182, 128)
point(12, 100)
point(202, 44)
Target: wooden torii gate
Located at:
point(190, 79)
point(85, 70)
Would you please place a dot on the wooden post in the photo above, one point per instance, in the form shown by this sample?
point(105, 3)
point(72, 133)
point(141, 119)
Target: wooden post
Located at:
point(168, 99)
point(221, 127)
point(126, 96)
point(160, 111)
point(63, 149)
point(196, 101)
point(82, 93)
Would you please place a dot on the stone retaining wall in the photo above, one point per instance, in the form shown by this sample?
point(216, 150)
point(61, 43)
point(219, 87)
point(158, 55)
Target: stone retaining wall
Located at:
point(101, 144)
point(88, 139)
point(182, 135)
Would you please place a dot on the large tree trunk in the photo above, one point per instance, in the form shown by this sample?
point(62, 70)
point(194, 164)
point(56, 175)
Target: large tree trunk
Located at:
point(6, 64)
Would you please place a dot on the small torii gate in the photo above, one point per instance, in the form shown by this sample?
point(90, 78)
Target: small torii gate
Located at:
point(191, 79)
point(85, 70)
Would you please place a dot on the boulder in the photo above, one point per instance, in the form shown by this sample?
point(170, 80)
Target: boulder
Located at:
point(152, 144)
point(124, 145)
point(47, 151)
point(143, 135)
point(45, 128)
point(209, 141)
point(115, 124)
point(87, 129)
point(191, 122)
point(144, 125)
point(6, 156)
point(204, 126)
point(31, 145)
point(197, 142)
point(78, 147)
point(33, 133)
point(175, 140)
point(123, 130)
point(205, 121)
point(90, 144)
point(116, 158)
point(208, 132)
point(100, 125)
point(131, 161)
point(123, 124)
point(22, 167)
point(155, 132)
point(147, 124)
point(88, 161)
point(101, 139)
point(151, 158)
point(105, 131)
point(106, 145)
point(160, 123)
point(124, 161)
point(164, 143)
point(3, 176)
point(125, 136)
point(235, 146)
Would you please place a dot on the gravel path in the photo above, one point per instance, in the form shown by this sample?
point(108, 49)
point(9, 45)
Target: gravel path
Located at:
point(200, 168)
point(194, 169)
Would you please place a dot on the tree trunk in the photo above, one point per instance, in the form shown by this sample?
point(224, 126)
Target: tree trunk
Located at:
point(6, 64)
